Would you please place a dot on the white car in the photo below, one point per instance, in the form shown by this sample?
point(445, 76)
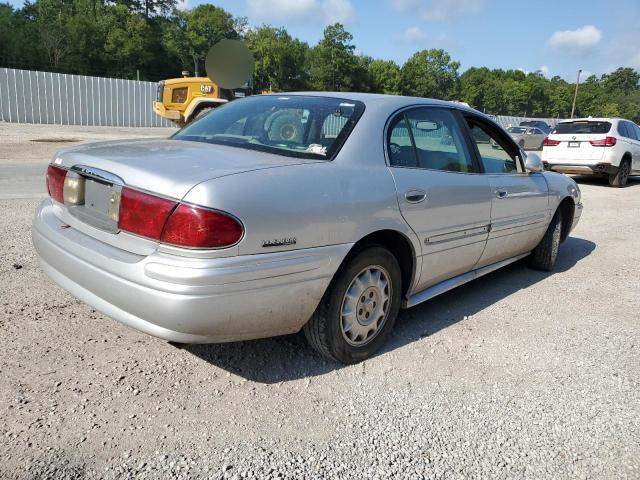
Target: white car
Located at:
point(594, 146)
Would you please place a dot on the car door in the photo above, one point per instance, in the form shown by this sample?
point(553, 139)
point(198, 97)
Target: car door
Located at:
point(628, 131)
point(537, 138)
point(441, 193)
point(635, 165)
point(529, 140)
point(520, 200)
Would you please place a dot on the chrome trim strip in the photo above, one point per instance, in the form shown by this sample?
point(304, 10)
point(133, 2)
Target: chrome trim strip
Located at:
point(97, 174)
point(454, 282)
point(518, 222)
point(457, 235)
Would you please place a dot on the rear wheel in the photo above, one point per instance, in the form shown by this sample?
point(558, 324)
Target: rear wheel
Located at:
point(619, 179)
point(358, 310)
point(545, 254)
point(201, 113)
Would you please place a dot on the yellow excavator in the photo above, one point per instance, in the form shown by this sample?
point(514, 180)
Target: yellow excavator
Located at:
point(182, 100)
point(229, 65)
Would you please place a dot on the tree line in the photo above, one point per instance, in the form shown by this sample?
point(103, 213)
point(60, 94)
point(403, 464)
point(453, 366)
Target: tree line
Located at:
point(153, 40)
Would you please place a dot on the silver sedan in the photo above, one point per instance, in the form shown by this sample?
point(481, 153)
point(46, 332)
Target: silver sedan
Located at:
point(327, 212)
point(527, 138)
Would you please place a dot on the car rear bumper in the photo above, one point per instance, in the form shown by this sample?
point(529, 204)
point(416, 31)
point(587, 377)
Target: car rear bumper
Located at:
point(184, 299)
point(596, 168)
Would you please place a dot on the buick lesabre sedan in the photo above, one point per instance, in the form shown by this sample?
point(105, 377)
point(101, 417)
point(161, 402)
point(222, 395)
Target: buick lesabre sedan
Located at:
point(326, 212)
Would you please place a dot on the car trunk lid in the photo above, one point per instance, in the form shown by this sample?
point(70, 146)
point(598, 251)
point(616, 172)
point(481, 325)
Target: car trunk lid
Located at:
point(574, 148)
point(164, 168)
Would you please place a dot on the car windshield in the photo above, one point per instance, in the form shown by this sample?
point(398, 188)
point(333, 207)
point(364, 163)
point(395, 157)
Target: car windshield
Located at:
point(516, 130)
point(583, 127)
point(289, 125)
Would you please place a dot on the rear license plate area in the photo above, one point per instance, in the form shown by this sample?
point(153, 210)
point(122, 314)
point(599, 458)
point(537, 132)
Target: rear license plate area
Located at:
point(574, 144)
point(101, 206)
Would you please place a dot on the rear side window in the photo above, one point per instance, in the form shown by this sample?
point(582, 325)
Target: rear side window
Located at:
point(583, 127)
point(627, 129)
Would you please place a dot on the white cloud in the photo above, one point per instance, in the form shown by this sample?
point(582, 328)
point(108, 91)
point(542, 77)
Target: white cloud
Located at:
point(338, 11)
point(437, 10)
point(544, 70)
point(183, 5)
point(580, 39)
point(413, 35)
point(449, 9)
point(331, 11)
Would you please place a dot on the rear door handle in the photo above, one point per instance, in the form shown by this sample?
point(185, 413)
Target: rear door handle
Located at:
point(415, 196)
point(502, 193)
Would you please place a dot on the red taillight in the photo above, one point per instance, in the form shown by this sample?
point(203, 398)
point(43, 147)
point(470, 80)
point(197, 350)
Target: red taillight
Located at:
point(550, 143)
point(176, 224)
point(55, 182)
point(196, 227)
point(605, 142)
point(143, 214)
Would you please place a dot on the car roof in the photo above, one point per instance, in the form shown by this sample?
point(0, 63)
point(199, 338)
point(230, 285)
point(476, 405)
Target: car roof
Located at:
point(391, 101)
point(591, 119)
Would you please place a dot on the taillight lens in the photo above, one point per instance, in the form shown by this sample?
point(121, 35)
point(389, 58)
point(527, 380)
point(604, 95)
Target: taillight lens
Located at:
point(550, 143)
point(605, 142)
point(55, 182)
point(143, 214)
point(181, 225)
point(196, 227)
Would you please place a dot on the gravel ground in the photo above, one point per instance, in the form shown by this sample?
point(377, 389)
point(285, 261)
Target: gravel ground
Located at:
point(520, 374)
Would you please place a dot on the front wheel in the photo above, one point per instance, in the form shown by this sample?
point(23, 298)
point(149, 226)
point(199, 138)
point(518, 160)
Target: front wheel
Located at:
point(357, 312)
point(545, 254)
point(619, 179)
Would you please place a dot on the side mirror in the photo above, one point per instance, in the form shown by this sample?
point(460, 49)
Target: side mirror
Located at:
point(533, 163)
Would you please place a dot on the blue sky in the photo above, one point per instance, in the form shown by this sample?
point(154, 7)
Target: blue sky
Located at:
point(557, 37)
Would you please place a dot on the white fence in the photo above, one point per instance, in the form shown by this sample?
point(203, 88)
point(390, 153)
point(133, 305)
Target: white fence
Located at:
point(56, 98)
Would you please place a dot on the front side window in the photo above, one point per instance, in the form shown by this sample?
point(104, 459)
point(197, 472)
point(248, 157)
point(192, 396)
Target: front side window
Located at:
point(428, 138)
point(495, 154)
point(293, 126)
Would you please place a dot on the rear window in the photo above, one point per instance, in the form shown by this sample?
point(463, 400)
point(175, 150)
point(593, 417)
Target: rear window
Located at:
point(516, 130)
point(289, 125)
point(583, 127)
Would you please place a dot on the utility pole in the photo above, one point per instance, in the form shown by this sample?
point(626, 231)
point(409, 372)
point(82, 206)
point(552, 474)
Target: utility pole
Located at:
point(575, 94)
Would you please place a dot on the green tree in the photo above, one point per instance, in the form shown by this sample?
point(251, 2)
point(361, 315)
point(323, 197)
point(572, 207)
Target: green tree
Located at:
point(52, 16)
point(127, 43)
point(206, 25)
point(430, 73)
point(280, 59)
point(332, 61)
point(385, 77)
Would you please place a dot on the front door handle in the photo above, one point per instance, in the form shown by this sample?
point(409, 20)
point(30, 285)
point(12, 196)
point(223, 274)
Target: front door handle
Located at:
point(415, 196)
point(502, 193)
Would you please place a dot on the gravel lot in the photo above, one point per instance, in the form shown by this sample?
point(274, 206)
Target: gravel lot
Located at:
point(519, 374)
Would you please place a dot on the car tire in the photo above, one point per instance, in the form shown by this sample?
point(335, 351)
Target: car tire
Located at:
point(544, 256)
point(619, 179)
point(201, 113)
point(339, 327)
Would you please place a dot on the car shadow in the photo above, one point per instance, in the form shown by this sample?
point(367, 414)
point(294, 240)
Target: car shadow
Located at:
point(603, 182)
point(286, 358)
